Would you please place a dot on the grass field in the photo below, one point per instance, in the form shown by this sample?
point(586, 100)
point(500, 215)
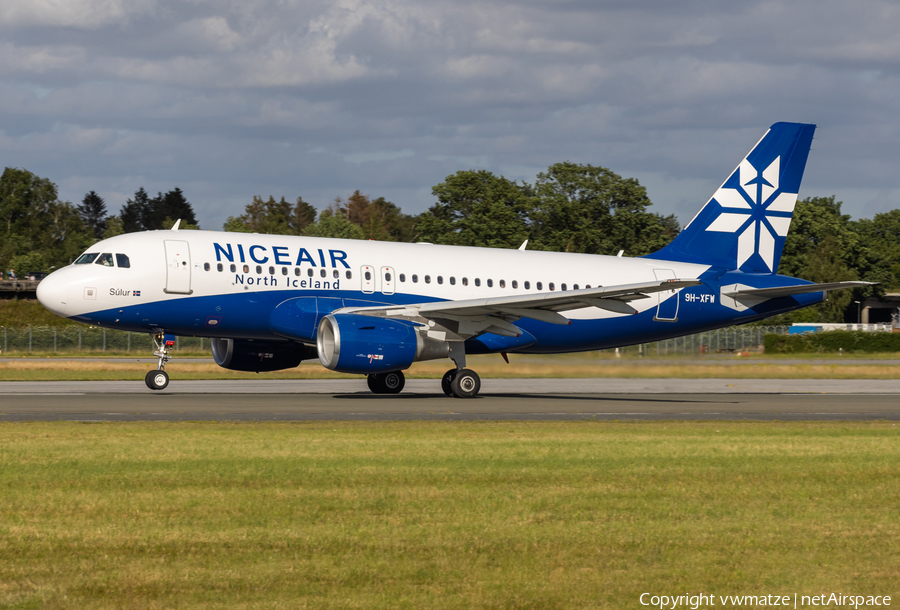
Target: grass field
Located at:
point(443, 515)
point(523, 366)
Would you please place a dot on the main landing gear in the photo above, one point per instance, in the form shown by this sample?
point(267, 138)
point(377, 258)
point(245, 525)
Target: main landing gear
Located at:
point(460, 382)
point(386, 383)
point(159, 379)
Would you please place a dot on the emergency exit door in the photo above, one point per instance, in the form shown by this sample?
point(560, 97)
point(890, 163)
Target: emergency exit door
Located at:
point(178, 267)
point(387, 280)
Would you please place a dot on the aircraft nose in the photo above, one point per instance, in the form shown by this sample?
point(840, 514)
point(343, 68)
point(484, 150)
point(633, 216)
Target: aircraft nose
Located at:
point(53, 292)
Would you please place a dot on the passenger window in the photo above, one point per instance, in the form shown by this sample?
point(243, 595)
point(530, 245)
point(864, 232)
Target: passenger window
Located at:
point(527, 285)
point(402, 277)
point(387, 277)
point(465, 281)
point(478, 281)
point(440, 279)
point(337, 274)
point(349, 274)
point(427, 279)
point(206, 266)
point(297, 271)
point(502, 283)
point(105, 259)
point(552, 287)
point(415, 278)
point(220, 267)
point(246, 268)
point(309, 272)
point(563, 287)
point(284, 271)
point(490, 283)
point(515, 284)
point(540, 286)
point(122, 261)
point(574, 287)
point(368, 276)
point(86, 259)
point(259, 269)
point(452, 281)
point(233, 267)
point(586, 286)
point(322, 272)
point(271, 270)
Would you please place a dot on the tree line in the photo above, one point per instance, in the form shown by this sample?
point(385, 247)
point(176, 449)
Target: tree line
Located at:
point(568, 208)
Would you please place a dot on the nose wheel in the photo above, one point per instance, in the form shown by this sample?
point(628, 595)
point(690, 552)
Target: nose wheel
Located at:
point(156, 380)
point(159, 379)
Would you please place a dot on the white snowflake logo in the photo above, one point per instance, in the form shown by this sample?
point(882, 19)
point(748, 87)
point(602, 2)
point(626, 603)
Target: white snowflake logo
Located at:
point(756, 210)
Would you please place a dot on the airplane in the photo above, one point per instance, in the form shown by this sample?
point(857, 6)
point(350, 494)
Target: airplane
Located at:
point(269, 302)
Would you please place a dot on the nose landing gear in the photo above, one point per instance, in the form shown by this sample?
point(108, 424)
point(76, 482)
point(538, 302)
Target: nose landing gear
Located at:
point(159, 379)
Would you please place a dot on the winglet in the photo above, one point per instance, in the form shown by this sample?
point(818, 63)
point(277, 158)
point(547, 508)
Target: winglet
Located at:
point(175, 226)
point(524, 243)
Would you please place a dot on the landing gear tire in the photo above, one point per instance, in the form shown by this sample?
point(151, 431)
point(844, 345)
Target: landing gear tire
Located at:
point(465, 384)
point(156, 380)
point(447, 382)
point(386, 383)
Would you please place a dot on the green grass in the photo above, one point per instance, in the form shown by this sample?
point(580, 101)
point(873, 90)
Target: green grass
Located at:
point(520, 366)
point(442, 515)
point(21, 312)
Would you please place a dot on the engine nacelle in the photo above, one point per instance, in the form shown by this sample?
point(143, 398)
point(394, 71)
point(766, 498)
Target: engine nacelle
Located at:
point(259, 356)
point(351, 343)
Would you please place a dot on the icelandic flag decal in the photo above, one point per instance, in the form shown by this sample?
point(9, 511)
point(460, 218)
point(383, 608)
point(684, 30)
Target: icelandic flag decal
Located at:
point(137, 293)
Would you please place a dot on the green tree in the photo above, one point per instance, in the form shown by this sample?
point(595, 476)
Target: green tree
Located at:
point(477, 208)
point(135, 212)
point(881, 235)
point(584, 208)
point(93, 213)
point(145, 214)
point(113, 227)
point(35, 221)
point(379, 219)
point(273, 217)
point(331, 224)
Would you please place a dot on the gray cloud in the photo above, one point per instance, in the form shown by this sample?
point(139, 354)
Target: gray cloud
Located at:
point(232, 99)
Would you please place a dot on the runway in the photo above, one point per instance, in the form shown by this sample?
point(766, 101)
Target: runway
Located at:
point(501, 399)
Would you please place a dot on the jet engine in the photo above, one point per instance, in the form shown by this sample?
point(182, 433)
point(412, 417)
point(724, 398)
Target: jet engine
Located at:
point(259, 356)
point(352, 343)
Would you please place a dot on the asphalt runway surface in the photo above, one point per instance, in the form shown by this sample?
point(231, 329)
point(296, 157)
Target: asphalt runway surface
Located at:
point(501, 399)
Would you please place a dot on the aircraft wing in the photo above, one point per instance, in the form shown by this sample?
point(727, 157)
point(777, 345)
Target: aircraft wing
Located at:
point(786, 291)
point(468, 318)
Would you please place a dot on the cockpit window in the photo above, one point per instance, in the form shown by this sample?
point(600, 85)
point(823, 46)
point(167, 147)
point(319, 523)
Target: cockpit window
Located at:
point(86, 259)
point(105, 259)
point(122, 261)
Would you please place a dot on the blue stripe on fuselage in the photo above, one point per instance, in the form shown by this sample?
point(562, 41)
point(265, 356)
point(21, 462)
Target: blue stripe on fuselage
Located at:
point(246, 316)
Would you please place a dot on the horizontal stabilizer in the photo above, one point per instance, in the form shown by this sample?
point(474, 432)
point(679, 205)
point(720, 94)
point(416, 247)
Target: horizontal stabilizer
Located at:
point(786, 291)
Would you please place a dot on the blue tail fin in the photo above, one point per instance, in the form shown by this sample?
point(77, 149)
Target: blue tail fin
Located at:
point(744, 224)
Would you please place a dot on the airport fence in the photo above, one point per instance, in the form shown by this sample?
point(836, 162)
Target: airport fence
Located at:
point(89, 339)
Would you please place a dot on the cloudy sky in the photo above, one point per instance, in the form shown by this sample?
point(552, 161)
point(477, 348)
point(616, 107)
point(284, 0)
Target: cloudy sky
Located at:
point(316, 98)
